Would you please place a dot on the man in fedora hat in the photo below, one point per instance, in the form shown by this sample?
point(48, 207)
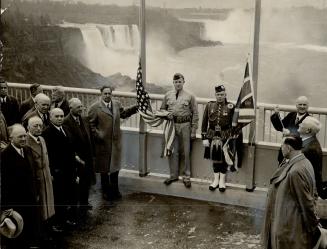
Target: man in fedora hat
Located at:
point(11, 224)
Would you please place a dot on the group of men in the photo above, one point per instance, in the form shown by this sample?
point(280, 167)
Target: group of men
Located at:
point(48, 155)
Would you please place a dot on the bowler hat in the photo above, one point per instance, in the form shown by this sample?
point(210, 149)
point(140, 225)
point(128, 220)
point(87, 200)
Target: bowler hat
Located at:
point(11, 223)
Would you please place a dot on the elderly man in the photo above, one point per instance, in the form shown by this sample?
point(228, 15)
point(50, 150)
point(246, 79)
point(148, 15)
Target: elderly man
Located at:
point(311, 147)
point(9, 104)
point(42, 106)
point(18, 190)
point(79, 133)
point(62, 166)
point(42, 170)
point(184, 111)
point(104, 116)
point(290, 220)
point(58, 99)
point(290, 123)
point(29, 103)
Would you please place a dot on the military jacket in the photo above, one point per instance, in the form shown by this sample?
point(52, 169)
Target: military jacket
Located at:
point(217, 120)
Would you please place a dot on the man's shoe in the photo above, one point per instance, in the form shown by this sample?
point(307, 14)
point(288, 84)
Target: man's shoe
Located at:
point(212, 188)
point(170, 181)
point(187, 183)
point(222, 190)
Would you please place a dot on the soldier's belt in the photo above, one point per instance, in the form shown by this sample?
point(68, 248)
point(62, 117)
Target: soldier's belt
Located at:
point(182, 119)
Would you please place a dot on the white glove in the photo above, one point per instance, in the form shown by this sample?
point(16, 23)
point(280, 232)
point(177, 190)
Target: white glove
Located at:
point(206, 143)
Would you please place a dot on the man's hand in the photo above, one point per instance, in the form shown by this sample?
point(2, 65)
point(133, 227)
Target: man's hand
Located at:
point(276, 109)
point(170, 116)
point(206, 143)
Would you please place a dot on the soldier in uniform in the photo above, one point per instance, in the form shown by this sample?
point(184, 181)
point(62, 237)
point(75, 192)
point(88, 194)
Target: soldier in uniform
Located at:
point(216, 129)
point(184, 111)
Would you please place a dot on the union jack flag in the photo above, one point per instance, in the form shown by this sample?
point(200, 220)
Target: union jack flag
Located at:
point(244, 111)
point(152, 118)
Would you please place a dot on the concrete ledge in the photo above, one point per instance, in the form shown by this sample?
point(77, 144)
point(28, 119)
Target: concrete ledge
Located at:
point(154, 184)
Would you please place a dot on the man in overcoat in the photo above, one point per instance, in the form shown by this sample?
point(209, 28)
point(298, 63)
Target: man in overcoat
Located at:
point(311, 148)
point(291, 220)
point(79, 132)
point(18, 189)
point(43, 176)
point(9, 104)
point(104, 116)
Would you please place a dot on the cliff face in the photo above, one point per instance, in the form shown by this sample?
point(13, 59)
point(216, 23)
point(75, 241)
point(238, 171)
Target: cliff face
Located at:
point(36, 49)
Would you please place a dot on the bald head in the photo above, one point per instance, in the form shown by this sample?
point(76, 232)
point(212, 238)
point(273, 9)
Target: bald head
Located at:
point(35, 126)
point(76, 106)
point(302, 105)
point(42, 103)
point(57, 116)
point(18, 135)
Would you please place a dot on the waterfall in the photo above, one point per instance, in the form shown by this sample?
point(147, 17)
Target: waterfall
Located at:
point(109, 49)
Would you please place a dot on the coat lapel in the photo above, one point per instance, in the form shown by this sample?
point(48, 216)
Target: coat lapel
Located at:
point(282, 172)
point(106, 109)
point(34, 145)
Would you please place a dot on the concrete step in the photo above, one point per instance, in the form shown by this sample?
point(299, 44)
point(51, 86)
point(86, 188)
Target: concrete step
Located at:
point(234, 194)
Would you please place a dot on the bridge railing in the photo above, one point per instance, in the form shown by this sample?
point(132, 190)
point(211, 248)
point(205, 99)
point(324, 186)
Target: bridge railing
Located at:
point(265, 132)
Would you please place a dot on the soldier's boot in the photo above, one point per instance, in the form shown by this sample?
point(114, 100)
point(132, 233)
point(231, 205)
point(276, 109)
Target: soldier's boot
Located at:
point(215, 183)
point(222, 182)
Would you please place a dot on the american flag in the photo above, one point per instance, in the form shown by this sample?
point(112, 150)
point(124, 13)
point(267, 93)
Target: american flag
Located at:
point(153, 119)
point(244, 111)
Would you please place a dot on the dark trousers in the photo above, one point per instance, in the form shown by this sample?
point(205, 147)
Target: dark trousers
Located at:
point(109, 184)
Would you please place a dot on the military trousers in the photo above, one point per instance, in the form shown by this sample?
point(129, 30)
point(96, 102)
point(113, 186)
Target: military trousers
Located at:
point(181, 150)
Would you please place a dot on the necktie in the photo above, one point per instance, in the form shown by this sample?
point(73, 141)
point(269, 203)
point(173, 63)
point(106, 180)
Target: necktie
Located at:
point(56, 105)
point(62, 131)
point(3, 100)
point(297, 120)
point(45, 120)
point(22, 152)
point(77, 121)
point(177, 94)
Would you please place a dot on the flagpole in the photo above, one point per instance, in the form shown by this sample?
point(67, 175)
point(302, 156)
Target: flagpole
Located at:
point(250, 180)
point(143, 169)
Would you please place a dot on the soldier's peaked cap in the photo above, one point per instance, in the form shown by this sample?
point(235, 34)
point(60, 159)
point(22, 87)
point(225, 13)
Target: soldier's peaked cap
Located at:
point(220, 88)
point(178, 76)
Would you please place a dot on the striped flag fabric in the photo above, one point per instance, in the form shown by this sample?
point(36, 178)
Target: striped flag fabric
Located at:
point(244, 111)
point(154, 118)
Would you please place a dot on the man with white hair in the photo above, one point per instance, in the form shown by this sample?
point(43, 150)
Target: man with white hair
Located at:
point(43, 176)
point(18, 189)
point(290, 123)
point(42, 107)
point(311, 147)
point(58, 99)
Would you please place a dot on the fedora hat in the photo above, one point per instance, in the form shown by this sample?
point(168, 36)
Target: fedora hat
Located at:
point(11, 223)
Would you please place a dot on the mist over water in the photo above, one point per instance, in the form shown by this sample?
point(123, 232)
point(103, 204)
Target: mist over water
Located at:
point(291, 63)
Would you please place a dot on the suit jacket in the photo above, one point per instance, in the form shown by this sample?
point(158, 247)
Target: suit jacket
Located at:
point(43, 176)
point(64, 106)
point(34, 112)
point(105, 127)
point(288, 122)
point(80, 136)
point(61, 153)
point(25, 106)
point(10, 109)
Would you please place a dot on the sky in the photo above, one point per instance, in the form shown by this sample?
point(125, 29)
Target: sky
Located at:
point(211, 3)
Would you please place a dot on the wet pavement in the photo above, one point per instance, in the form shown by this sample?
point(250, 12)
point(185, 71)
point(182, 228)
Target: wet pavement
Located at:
point(148, 221)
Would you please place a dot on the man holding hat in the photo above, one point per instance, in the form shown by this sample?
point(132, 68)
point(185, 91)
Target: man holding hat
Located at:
point(184, 111)
point(216, 129)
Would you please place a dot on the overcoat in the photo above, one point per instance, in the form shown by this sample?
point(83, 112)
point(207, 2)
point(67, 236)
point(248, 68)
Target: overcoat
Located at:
point(105, 127)
point(291, 220)
point(43, 176)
